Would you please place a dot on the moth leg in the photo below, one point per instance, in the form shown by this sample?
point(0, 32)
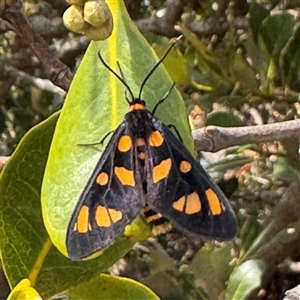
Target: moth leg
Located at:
point(98, 143)
point(177, 132)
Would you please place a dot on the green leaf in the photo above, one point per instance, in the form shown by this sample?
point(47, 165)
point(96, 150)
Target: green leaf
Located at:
point(162, 272)
point(175, 63)
point(23, 290)
point(232, 101)
point(65, 273)
point(222, 165)
point(23, 236)
point(26, 250)
point(96, 105)
point(244, 74)
point(208, 63)
point(273, 36)
point(245, 279)
point(290, 62)
point(286, 170)
point(248, 234)
point(111, 287)
point(211, 267)
point(224, 119)
point(257, 14)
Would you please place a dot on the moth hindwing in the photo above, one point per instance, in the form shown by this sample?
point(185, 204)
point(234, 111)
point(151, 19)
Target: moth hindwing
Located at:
point(145, 166)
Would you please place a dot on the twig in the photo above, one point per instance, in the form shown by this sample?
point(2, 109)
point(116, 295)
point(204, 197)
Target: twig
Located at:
point(43, 84)
point(164, 25)
point(213, 138)
point(5, 85)
point(72, 47)
point(48, 27)
point(5, 26)
point(213, 25)
point(58, 72)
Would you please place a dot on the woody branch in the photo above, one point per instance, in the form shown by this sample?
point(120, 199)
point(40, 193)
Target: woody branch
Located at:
point(214, 138)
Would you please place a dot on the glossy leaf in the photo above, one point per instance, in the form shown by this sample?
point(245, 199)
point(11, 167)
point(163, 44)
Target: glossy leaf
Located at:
point(111, 287)
point(23, 290)
point(245, 279)
point(23, 236)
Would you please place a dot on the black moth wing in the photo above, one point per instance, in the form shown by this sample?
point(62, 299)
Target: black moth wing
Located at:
point(187, 195)
point(106, 205)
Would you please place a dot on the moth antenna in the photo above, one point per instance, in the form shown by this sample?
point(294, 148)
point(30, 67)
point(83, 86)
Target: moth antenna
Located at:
point(153, 69)
point(123, 77)
point(118, 76)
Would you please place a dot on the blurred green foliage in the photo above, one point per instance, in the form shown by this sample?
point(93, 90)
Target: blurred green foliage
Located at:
point(236, 65)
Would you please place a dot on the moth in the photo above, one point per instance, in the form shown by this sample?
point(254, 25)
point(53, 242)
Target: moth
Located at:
point(146, 167)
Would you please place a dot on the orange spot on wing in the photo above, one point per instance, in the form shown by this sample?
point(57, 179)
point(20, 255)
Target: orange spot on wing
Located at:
point(156, 139)
point(179, 204)
point(193, 204)
point(102, 217)
point(162, 170)
point(102, 178)
point(140, 142)
point(115, 215)
point(189, 204)
point(185, 166)
point(83, 220)
point(214, 202)
point(124, 143)
point(137, 106)
point(125, 176)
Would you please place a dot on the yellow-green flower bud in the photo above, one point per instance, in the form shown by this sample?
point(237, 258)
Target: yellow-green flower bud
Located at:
point(73, 18)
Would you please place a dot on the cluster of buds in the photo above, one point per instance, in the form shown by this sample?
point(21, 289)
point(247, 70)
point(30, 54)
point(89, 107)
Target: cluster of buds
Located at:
point(90, 17)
